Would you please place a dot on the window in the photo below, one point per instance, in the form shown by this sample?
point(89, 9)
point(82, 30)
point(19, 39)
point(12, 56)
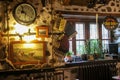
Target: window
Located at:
point(93, 31)
point(70, 45)
point(79, 27)
point(105, 38)
point(80, 38)
point(88, 31)
point(80, 47)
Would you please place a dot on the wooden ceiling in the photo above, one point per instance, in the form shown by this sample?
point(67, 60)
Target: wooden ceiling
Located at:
point(83, 2)
point(76, 2)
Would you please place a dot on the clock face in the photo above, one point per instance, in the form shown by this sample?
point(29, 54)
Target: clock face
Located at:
point(24, 13)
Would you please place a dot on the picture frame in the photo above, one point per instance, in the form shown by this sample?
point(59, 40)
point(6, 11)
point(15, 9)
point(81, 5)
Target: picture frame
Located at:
point(41, 31)
point(21, 52)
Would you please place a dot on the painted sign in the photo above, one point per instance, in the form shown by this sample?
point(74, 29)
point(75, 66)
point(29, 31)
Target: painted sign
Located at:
point(110, 23)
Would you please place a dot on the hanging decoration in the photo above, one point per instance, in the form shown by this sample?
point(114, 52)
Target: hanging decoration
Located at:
point(97, 24)
point(110, 23)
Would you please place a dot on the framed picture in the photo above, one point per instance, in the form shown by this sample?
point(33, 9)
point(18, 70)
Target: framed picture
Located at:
point(42, 31)
point(27, 53)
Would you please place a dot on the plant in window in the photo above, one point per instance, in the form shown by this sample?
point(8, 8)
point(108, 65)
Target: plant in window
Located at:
point(86, 50)
point(81, 49)
point(68, 57)
point(95, 47)
point(68, 53)
point(87, 47)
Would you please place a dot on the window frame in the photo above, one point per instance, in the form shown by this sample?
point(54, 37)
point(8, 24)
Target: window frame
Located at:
point(87, 32)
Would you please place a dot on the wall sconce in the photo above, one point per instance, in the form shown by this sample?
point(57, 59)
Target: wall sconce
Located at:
point(20, 36)
point(27, 36)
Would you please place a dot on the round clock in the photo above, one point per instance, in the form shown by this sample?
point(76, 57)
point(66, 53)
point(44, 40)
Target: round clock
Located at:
point(24, 13)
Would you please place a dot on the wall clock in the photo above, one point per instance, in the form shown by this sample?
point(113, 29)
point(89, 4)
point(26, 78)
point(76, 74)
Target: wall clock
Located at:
point(24, 13)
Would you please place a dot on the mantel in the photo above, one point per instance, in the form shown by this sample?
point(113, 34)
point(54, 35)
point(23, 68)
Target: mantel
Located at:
point(67, 65)
point(84, 69)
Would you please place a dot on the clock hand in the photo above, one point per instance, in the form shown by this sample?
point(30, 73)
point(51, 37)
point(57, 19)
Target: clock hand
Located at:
point(26, 14)
point(22, 11)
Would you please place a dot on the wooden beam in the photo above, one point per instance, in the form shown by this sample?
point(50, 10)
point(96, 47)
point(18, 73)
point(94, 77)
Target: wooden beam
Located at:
point(87, 13)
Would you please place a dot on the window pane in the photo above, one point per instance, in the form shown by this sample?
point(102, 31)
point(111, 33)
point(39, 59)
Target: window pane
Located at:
point(70, 46)
point(105, 33)
point(80, 31)
point(80, 37)
point(105, 38)
point(93, 31)
point(105, 44)
point(80, 48)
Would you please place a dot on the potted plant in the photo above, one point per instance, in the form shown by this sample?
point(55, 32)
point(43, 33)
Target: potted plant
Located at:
point(68, 57)
point(96, 48)
point(92, 47)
